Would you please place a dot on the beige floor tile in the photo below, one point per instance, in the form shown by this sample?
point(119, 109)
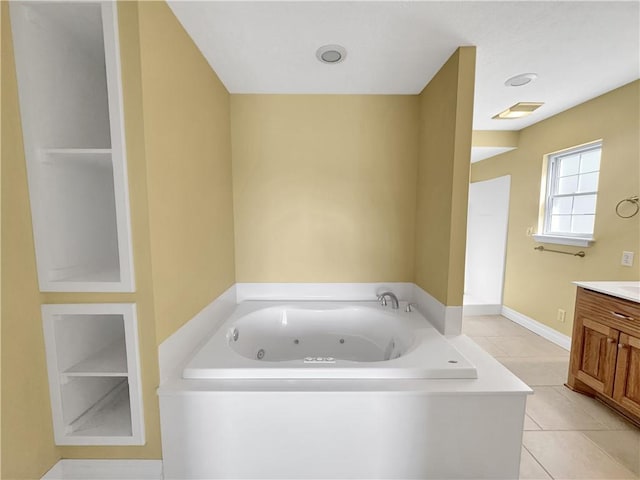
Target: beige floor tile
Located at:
point(493, 326)
point(489, 347)
point(530, 469)
point(538, 370)
point(553, 411)
point(530, 346)
point(622, 445)
point(571, 455)
point(529, 424)
point(602, 413)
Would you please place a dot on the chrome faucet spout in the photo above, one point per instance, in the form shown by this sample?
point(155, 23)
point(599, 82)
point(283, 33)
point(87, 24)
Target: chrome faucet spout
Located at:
point(394, 300)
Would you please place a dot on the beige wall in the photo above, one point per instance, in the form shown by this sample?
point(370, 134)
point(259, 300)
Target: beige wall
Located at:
point(495, 138)
point(27, 436)
point(188, 151)
point(537, 284)
point(143, 297)
point(324, 190)
point(324, 187)
point(446, 108)
point(179, 165)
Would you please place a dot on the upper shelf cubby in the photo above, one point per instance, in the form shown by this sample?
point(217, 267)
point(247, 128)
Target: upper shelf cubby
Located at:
point(69, 86)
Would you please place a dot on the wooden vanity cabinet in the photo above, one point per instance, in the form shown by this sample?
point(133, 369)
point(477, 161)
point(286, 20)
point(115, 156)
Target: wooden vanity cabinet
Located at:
point(605, 351)
point(626, 390)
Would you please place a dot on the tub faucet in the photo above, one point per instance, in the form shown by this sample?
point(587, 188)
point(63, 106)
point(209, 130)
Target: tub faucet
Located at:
point(383, 299)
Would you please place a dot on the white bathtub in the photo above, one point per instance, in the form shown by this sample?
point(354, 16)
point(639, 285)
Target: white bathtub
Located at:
point(326, 340)
point(357, 413)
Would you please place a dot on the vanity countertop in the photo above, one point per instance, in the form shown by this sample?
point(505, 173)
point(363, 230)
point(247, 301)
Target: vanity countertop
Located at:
point(626, 290)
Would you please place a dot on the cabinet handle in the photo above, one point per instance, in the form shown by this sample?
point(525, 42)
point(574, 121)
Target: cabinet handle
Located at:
point(611, 340)
point(622, 345)
point(621, 315)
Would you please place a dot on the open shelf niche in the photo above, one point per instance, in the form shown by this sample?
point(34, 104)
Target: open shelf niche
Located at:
point(94, 373)
point(70, 93)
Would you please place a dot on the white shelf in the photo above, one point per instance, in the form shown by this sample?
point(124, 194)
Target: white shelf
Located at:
point(94, 373)
point(70, 92)
point(111, 361)
point(108, 274)
point(92, 156)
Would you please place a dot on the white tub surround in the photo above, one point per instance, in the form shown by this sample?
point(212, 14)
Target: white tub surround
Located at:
point(327, 340)
point(626, 290)
point(356, 292)
point(447, 319)
point(333, 428)
point(176, 350)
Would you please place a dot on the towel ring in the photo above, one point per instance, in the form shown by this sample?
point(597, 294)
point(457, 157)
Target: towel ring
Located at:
point(634, 200)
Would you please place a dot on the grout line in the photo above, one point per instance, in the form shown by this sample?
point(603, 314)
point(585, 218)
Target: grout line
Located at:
point(537, 461)
point(537, 424)
point(552, 387)
point(615, 460)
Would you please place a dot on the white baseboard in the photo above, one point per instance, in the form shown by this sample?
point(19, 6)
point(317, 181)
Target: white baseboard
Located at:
point(321, 291)
point(105, 470)
point(448, 320)
point(476, 310)
point(175, 350)
point(536, 327)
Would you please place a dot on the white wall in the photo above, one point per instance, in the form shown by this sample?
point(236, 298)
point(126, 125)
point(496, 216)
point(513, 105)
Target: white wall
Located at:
point(487, 220)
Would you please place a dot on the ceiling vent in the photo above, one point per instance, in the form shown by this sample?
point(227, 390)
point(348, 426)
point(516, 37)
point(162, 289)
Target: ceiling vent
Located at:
point(519, 110)
point(331, 54)
point(520, 80)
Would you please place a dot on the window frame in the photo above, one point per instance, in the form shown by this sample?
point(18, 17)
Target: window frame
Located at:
point(549, 194)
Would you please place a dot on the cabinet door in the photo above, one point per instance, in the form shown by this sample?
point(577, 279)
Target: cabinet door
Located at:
point(595, 356)
point(627, 382)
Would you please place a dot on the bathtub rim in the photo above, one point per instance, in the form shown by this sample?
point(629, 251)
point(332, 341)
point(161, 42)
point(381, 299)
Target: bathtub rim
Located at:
point(246, 369)
point(493, 377)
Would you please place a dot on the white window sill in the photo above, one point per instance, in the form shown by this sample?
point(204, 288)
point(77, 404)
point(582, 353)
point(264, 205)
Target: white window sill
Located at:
point(573, 241)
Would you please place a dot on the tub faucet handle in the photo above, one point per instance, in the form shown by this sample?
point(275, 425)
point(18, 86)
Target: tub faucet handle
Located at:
point(410, 307)
point(383, 299)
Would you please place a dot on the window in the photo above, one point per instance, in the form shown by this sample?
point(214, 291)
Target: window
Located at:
point(571, 192)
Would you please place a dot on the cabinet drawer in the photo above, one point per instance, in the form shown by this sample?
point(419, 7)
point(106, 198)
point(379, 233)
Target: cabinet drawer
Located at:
point(621, 314)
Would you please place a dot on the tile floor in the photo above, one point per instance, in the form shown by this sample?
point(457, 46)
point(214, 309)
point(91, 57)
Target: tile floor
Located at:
point(567, 435)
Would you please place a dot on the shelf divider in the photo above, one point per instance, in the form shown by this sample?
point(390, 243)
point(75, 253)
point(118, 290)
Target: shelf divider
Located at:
point(111, 361)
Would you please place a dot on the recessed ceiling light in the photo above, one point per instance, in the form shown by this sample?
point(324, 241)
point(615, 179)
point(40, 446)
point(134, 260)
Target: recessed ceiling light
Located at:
point(519, 110)
point(520, 80)
point(331, 53)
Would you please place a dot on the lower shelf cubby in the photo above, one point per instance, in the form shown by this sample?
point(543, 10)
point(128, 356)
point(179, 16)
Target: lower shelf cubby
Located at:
point(94, 374)
point(97, 407)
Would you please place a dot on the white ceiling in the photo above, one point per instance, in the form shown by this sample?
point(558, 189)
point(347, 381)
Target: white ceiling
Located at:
point(578, 49)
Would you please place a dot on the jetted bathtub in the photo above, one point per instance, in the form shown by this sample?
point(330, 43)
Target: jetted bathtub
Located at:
point(326, 340)
point(339, 390)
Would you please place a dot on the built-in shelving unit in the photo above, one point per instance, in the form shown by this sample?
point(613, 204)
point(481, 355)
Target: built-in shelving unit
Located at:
point(70, 94)
point(94, 373)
